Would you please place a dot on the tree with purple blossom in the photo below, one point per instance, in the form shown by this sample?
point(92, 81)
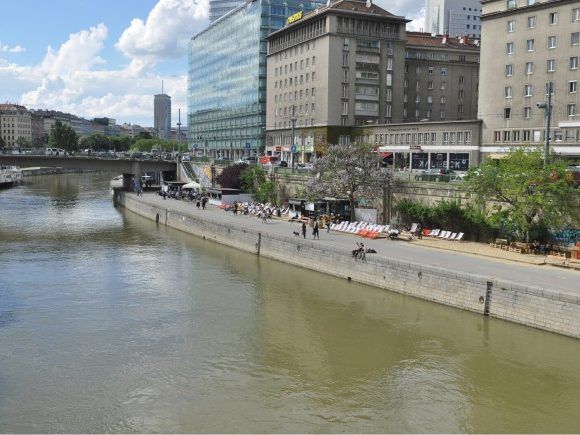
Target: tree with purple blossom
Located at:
point(350, 171)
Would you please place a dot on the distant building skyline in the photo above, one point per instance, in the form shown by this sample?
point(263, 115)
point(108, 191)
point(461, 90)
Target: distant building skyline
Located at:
point(162, 116)
point(455, 18)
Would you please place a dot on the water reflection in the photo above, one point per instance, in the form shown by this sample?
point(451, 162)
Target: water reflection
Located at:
point(110, 323)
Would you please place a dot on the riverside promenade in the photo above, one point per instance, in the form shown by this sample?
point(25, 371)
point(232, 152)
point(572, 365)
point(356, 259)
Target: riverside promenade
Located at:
point(536, 295)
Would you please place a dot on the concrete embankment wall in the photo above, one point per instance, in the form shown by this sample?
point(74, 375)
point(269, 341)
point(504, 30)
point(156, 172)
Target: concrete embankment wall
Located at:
point(539, 308)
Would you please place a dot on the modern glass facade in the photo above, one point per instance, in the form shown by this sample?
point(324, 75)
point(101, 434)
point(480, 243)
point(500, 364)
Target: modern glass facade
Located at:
point(227, 78)
point(218, 8)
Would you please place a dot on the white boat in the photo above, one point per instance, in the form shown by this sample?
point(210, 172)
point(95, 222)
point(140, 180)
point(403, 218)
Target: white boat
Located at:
point(10, 176)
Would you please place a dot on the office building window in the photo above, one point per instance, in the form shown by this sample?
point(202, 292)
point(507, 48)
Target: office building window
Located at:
point(571, 109)
point(507, 113)
point(516, 135)
point(442, 114)
point(461, 80)
point(527, 112)
point(443, 71)
point(572, 86)
point(461, 94)
point(388, 110)
point(429, 99)
point(509, 70)
point(345, 107)
point(509, 48)
point(429, 113)
point(527, 90)
point(418, 69)
point(345, 91)
point(548, 88)
point(345, 75)
point(551, 65)
point(529, 68)
point(389, 95)
point(430, 70)
point(430, 84)
point(530, 45)
point(443, 86)
point(507, 92)
point(531, 22)
point(574, 62)
point(551, 41)
point(576, 14)
point(575, 38)
point(511, 4)
point(506, 136)
point(443, 99)
point(511, 26)
point(553, 18)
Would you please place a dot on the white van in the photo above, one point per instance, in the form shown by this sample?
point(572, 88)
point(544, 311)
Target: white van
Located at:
point(55, 152)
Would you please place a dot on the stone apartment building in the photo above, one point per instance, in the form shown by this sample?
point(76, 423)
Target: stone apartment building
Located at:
point(526, 44)
point(441, 78)
point(15, 125)
point(352, 64)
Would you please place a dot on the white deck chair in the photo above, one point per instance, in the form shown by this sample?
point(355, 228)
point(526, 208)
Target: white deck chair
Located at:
point(413, 228)
point(443, 234)
point(458, 237)
point(451, 236)
point(434, 233)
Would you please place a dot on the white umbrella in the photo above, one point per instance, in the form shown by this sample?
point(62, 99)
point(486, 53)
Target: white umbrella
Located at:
point(191, 185)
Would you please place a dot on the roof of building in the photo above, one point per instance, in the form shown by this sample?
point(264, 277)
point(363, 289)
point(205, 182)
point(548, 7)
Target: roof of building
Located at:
point(422, 39)
point(351, 6)
point(7, 107)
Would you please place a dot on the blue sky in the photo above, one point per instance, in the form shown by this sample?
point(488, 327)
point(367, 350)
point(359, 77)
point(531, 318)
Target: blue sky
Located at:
point(98, 58)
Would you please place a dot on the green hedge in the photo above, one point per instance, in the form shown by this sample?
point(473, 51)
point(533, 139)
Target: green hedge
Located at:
point(446, 215)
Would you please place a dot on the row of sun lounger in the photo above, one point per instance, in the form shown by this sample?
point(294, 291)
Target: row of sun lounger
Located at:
point(444, 235)
point(364, 229)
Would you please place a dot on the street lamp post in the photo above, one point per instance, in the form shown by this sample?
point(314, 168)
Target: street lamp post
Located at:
point(548, 108)
point(293, 120)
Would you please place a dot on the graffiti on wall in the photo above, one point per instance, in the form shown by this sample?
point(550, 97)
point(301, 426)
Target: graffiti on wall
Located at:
point(567, 237)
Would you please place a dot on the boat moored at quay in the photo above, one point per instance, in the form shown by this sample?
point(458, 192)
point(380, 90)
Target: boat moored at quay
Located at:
point(10, 176)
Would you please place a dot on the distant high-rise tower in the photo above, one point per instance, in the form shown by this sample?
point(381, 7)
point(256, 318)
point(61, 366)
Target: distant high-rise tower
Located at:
point(455, 18)
point(218, 8)
point(162, 115)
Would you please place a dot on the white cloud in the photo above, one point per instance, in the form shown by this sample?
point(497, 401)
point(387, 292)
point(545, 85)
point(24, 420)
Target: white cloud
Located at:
point(7, 49)
point(71, 77)
point(406, 8)
point(166, 32)
point(417, 23)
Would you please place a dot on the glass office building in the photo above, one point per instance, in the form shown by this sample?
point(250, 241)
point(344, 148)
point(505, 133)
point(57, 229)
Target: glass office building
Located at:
point(218, 8)
point(227, 78)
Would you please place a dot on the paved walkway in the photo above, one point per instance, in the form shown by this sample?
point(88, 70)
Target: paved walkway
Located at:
point(423, 252)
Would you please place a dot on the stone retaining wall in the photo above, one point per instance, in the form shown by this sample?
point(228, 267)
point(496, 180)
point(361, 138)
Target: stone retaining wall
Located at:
point(538, 308)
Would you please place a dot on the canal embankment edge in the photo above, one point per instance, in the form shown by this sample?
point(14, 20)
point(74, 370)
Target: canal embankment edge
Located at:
point(539, 308)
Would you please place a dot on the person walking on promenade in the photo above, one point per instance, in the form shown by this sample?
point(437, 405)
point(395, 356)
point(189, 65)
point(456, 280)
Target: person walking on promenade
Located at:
point(203, 202)
point(303, 230)
point(419, 231)
point(315, 231)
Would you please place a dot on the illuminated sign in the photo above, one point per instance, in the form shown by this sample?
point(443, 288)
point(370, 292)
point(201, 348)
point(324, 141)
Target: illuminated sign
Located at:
point(297, 16)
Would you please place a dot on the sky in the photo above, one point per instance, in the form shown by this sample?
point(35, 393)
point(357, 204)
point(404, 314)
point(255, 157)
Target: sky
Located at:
point(97, 58)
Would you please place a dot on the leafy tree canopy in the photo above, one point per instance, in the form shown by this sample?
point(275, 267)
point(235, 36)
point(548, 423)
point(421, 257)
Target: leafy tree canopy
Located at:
point(524, 192)
point(348, 171)
point(255, 180)
point(63, 136)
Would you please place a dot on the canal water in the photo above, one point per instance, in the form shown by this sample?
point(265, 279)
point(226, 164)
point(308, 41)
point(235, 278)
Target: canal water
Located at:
point(109, 323)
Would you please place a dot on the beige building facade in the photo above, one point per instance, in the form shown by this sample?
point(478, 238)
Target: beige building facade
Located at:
point(15, 125)
point(527, 44)
point(441, 78)
point(418, 146)
point(339, 66)
point(352, 64)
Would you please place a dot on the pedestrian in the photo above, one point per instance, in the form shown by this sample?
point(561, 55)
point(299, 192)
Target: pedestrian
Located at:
point(164, 194)
point(203, 202)
point(303, 229)
point(315, 231)
point(419, 231)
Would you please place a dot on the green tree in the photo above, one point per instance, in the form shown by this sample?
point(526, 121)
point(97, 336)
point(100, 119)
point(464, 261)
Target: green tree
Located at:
point(22, 142)
point(95, 142)
point(255, 180)
point(352, 171)
point(525, 194)
point(121, 143)
point(143, 135)
point(63, 136)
